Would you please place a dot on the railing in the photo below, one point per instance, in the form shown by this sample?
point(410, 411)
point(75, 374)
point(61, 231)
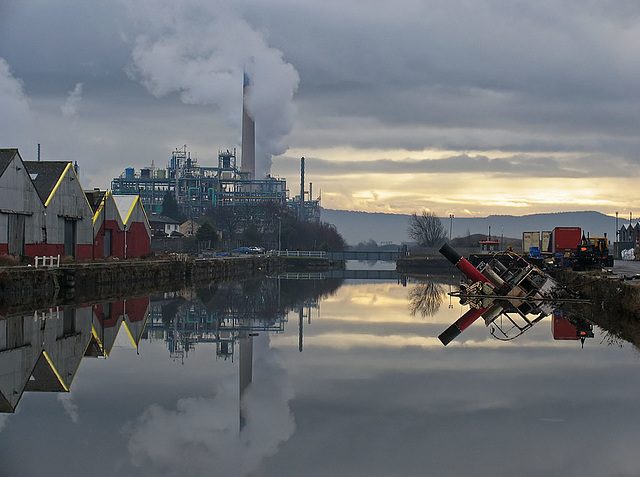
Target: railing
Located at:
point(297, 253)
point(363, 255)
point(50, 261)
point(302, 276)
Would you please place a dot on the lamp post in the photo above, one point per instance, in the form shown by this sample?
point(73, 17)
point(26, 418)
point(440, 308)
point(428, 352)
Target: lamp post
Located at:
point(279, 234)
point(450, 225)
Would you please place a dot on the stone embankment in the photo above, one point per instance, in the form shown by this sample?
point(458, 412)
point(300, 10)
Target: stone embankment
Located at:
point(90, 281)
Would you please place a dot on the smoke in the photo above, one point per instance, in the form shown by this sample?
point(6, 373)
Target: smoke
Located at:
point(202, 434)
point(16, 116)
point(201, 50)
point(70, 107)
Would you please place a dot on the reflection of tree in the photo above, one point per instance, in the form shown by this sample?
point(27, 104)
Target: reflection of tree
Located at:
point(264, 298)
point(426, 298)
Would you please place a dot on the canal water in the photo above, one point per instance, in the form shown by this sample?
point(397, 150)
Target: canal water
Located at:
point(308, 378)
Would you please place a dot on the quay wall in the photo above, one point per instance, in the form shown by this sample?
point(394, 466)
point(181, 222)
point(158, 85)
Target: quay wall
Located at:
point(86, 282)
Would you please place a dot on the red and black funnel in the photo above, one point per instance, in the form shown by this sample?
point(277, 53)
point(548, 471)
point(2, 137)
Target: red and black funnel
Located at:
point(451, 333)
point(464, 265)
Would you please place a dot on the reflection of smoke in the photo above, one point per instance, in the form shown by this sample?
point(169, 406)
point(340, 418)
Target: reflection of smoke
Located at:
point(69, 407)
point(201, 50)
point(202, 434)
point(426, 298)
point(3, 420)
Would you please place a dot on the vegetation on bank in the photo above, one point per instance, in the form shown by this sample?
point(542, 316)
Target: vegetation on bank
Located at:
point(266, 225)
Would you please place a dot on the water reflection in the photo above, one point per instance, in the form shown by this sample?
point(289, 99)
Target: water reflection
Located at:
point(374, 389)
point(42, 351)
point(425, 298)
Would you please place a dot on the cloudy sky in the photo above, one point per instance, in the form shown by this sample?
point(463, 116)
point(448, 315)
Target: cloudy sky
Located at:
point(469, 107)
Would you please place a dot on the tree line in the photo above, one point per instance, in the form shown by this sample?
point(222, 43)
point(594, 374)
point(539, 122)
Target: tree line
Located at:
point(264, 224)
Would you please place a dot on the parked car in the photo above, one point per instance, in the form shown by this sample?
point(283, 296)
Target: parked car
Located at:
point(241, 250)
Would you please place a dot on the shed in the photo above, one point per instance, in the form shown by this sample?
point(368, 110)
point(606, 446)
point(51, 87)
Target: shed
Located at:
point(108, 227)
point(137, 231)
point(21, 211)
point(68, 222)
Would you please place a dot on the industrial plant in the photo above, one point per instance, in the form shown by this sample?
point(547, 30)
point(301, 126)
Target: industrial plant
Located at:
point(197, 188)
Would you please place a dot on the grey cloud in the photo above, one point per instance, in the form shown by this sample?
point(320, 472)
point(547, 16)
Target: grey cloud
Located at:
point(515, 165)
point(532, 80)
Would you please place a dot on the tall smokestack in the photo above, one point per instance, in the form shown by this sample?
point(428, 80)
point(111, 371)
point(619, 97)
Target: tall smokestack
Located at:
point(248, 159)
point(301, 189)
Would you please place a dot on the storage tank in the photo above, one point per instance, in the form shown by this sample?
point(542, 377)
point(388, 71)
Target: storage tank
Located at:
point(130, 173)
point(145, 173)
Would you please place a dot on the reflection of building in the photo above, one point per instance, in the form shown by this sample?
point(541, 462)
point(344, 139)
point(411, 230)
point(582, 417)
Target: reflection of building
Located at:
point(41, 351)
point(108, 318)
point(221, 316)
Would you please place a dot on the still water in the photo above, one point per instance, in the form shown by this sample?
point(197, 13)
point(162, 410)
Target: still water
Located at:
point(308, 378)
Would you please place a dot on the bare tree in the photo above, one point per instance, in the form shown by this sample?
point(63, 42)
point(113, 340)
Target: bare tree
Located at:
point(427, 229)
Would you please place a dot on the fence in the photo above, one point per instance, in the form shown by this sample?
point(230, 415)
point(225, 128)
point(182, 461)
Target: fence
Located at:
point(297, 253)
point(51, 261)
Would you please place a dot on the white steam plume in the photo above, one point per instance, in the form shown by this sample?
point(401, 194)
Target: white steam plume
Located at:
point(70, 107)
point(201, 50)
point(16, 117)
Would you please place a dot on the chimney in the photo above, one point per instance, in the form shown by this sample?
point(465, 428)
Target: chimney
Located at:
point(248, 158)
point(301, 189)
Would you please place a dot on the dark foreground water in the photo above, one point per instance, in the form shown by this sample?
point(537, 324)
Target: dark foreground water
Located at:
point(308, 378)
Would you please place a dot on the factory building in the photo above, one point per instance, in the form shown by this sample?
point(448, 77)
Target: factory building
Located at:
point(197, 188)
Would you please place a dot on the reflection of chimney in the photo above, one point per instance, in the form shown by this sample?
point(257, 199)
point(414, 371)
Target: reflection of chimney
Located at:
point(300, 326)
point(248, 158)
point(246, 370)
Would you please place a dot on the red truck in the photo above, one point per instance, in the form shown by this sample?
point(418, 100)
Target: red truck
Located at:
point(565, 239)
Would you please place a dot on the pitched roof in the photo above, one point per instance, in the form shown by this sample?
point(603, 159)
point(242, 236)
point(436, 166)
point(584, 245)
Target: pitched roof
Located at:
point(6, 156)
point(162, 219)
point(45, 176)
point(125, 203)
point(95, 198)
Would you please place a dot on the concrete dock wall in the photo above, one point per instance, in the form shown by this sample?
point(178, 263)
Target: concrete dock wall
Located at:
point(87, 282)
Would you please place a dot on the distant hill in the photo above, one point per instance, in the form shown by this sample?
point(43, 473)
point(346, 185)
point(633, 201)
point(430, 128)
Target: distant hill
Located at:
point(358, 227)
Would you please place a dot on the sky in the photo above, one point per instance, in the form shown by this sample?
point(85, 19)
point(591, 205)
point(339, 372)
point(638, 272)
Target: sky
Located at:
point(468, 108)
